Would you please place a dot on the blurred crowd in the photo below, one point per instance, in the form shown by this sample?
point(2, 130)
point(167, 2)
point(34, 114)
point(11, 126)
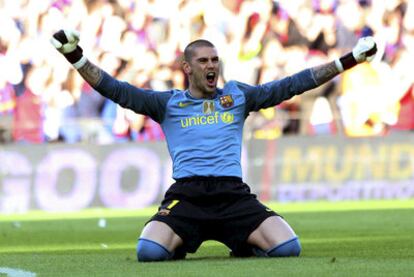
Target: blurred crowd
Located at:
point(43, 99)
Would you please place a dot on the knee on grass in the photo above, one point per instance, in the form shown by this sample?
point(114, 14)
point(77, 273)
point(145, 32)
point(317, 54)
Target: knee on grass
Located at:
point(289, 248)
point(151, 251)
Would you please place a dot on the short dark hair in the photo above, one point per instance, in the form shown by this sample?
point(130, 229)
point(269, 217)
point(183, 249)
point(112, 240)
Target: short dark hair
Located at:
point(189, 49)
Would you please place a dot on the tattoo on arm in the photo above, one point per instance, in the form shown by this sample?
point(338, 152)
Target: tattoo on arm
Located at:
point(91, 73)
point(324, 73)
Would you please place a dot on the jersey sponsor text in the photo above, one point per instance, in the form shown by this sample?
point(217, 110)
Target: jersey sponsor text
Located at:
point(215, 118)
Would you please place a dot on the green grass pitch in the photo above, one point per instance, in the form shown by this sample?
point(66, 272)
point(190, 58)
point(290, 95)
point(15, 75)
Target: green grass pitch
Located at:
point(371, 238)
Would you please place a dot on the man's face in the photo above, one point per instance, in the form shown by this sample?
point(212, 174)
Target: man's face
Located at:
point(203, 70)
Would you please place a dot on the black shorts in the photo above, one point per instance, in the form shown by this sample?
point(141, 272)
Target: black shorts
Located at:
point(212, 208)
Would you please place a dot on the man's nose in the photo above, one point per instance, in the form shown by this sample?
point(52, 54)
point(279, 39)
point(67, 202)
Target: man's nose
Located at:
point(210, 64)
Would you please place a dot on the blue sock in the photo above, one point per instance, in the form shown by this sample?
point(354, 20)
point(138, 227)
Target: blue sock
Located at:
point(151, 251)
point(288, 248)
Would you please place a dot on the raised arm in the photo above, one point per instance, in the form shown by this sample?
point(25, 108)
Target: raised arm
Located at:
point(275, 92)
point(365, 50)
point(139, 100)
point(66, 42)
point(324, 73)
point(91, 73)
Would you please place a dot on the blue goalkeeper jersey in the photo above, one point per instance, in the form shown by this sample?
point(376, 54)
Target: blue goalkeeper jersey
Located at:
point(204, 136)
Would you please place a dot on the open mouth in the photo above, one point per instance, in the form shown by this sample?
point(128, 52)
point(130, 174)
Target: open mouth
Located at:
point(211, 77)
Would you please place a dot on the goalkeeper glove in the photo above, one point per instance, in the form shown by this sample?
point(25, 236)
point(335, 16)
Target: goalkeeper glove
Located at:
point(365, 50)
point(66, 42)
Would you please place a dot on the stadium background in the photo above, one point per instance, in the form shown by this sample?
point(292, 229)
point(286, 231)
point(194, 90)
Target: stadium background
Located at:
point(65, 148)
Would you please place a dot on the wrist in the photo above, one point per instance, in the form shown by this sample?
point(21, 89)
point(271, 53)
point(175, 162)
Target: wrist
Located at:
point(346, 62)
point(339, 66)
point(80, 63)
point(76, 57)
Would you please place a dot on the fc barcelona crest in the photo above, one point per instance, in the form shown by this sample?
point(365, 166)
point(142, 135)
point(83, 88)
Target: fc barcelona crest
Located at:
point(226, 101)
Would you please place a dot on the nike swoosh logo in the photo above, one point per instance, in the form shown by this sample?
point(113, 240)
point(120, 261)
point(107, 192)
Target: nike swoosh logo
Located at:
point(183, 104)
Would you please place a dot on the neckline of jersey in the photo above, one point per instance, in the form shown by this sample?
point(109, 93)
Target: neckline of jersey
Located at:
point(189, 95)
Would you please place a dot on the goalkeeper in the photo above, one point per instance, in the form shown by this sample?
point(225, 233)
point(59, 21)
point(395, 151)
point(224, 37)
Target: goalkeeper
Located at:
point(203, 128)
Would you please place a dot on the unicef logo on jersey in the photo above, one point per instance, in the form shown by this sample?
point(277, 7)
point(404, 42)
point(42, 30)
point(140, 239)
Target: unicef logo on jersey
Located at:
point(212, 119)
point(227, 117)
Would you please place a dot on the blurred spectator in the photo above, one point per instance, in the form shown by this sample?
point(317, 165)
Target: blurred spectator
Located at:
point(28, 114)
point(7, 106)
point(69, 130)
point(405, 120)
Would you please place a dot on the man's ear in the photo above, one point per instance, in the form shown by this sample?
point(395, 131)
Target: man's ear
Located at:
point(186, 67)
